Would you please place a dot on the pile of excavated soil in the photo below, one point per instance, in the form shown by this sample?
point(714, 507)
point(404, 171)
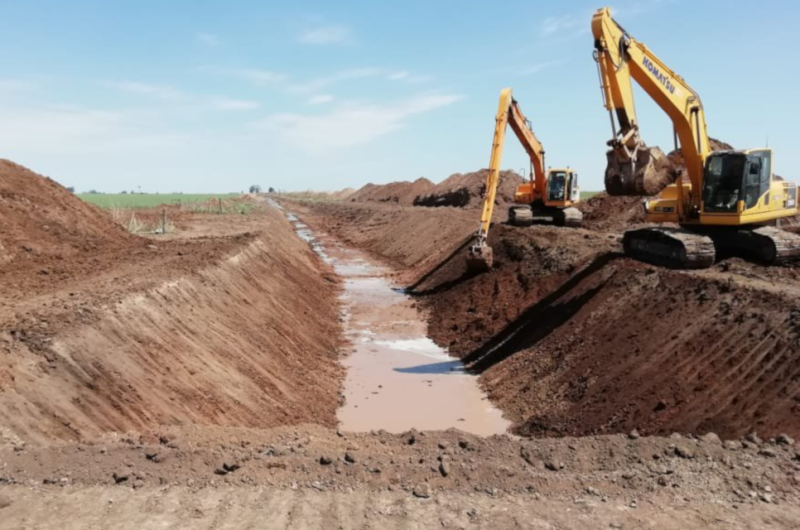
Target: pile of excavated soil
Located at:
point(574, 339)
point(606, 212)
point(39, 217)
point(468, 189)
point(218, 328)
point(395, 192)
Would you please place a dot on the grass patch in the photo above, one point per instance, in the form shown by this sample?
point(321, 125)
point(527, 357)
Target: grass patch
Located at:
point(149, 200)
point(585, 195)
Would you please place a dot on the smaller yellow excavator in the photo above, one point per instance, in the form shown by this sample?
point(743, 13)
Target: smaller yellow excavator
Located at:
point(546, 198)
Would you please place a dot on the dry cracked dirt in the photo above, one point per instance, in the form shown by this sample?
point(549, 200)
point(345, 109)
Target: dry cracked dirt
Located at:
point(192, 380)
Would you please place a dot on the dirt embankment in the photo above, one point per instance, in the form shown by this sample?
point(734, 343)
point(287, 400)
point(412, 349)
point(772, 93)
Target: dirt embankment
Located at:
point(468, 190)
point(572, 338)
point(403, 192)
point(41, 220)
point(226, 328)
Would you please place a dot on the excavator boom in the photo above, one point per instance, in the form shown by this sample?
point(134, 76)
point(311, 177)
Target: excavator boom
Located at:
point(510, 114)
point(729, 196)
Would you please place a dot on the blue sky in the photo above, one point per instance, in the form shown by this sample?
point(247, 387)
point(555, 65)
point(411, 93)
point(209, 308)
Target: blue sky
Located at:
point(214, 96)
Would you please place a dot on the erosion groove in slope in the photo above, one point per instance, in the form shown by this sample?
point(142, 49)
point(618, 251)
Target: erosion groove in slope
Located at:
point(250, 340)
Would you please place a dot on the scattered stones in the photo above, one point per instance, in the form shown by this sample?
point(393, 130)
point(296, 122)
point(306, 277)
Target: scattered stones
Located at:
point(349, 457)
point(5, 502)
point(711, 438)
point(422, 492)
point(753, 438)
point(121, 475)
point(444, 468)
point(325, 460)
point(593, 491)
point(784, 439)
point(628, 475)
point(765, 497)
point(768, 452)
point(662, 481)
point(226, 468)
point(634, 435)
point(464, 444)
point(138, 483)
point(732, 445)
point(684, 452)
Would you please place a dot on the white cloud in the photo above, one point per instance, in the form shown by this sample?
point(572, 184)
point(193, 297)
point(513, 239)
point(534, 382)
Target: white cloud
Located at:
point(344, 75)
point(320, 99)
point(349, 125)
point(16, 85)
point(225, 103)
point(254, 75)
point(326, 34)
point(158, 91)
point(560, 24)
point(398, 76)
point(209, 39)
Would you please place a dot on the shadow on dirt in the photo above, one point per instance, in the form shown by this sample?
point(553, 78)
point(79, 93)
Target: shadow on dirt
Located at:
point(411, 289)
point(539, 320)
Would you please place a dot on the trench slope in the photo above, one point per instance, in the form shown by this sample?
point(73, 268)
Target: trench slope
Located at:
point(248, 339)
point(571, 338)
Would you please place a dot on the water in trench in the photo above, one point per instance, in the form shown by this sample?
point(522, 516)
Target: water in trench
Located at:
point(397, 378)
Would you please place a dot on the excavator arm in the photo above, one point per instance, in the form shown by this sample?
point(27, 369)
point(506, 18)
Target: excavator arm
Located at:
point(508, 113)
point(633, 168)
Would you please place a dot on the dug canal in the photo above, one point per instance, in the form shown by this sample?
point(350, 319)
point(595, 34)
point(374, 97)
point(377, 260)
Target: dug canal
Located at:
point(397, 378)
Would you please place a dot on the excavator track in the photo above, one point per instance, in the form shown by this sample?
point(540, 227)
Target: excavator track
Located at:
point(769, 245)
point(670, 247)
point(527, 216)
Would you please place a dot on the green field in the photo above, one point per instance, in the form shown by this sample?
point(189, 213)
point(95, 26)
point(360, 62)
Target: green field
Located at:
point(588, 194)
point(148, 200)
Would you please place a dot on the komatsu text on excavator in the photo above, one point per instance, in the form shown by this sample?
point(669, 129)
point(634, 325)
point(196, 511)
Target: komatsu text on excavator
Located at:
point(546, 198)
point(731, 202)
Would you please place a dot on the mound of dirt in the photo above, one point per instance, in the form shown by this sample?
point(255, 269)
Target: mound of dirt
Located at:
point(395, 192)
point(343, 194)
point(40, 217)
point(468, 189)
point(608, 213)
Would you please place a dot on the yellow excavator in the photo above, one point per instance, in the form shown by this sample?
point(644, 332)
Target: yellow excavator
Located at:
point(545, 198)
point(731, 202)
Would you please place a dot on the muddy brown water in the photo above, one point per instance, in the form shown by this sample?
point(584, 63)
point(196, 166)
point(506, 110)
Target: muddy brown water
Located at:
point(397, 378)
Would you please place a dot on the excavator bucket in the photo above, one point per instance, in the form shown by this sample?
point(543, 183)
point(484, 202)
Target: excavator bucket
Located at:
point(479, 259)
point(648, 176)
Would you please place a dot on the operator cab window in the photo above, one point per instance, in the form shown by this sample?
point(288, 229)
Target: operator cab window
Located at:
point(556, 187)
point(722, 186)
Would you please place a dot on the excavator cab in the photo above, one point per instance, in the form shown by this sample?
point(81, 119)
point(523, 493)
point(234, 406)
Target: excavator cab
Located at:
point(562, 188)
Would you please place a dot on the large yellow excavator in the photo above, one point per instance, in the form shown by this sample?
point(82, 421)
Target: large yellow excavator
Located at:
point(731, 203)
point(546, 198)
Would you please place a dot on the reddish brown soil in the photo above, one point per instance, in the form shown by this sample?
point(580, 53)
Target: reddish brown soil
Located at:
point(395, 192)
point(571, 338)
point(604, 212)
point(233, 322)
point(39, 218)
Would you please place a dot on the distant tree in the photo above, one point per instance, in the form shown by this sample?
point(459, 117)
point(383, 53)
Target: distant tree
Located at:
point(92, 192)
point(271, 189)
point(255, 188)
point(124, 192)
